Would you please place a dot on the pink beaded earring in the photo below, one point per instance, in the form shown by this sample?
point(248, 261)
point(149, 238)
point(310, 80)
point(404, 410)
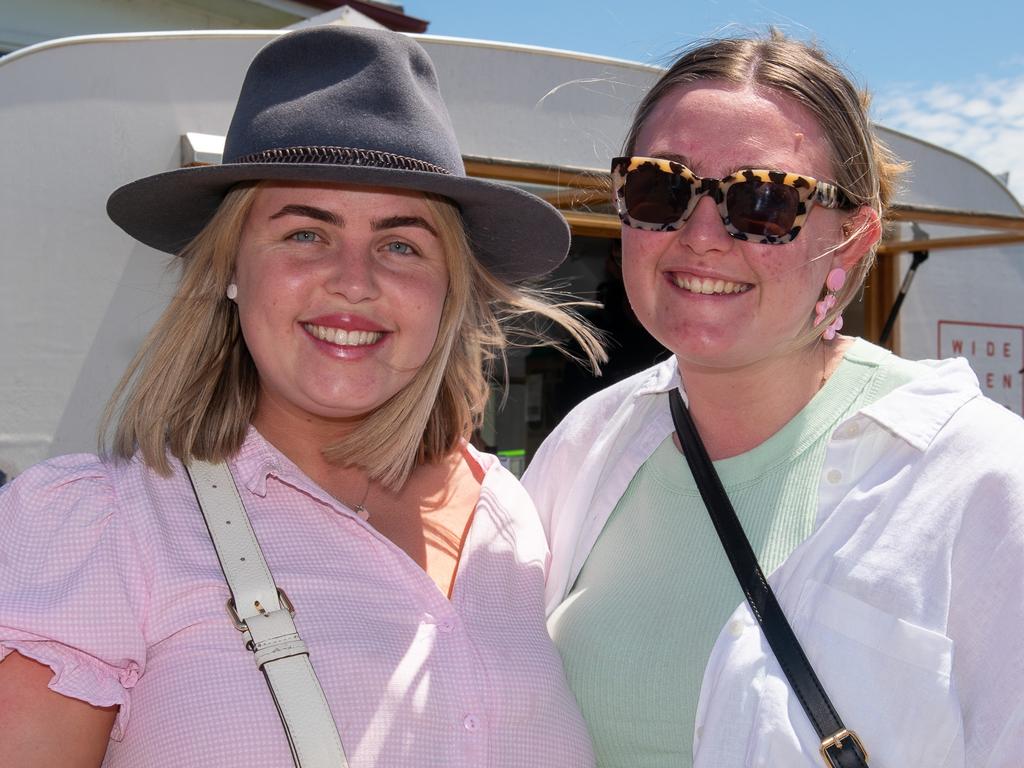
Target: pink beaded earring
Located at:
point(833, 283)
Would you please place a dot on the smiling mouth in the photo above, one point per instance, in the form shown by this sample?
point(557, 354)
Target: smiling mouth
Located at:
point(706, 285)
point(342, 337)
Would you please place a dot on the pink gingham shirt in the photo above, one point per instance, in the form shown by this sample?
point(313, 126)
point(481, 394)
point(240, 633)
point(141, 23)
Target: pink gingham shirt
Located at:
point(108, 575)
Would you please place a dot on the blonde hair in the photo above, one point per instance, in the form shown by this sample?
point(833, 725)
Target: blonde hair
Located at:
point(864, 167)
point(192, 387)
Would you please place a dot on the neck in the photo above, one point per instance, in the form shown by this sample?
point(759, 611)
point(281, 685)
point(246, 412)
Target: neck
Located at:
point(303, 439)
point(737, 409)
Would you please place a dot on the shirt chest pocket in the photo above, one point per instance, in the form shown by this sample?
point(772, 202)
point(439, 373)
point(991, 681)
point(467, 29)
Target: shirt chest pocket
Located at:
point(889, 679)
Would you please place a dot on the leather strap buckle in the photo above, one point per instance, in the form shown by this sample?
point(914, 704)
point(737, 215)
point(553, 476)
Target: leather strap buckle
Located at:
point(831, 748)
point(239, 622)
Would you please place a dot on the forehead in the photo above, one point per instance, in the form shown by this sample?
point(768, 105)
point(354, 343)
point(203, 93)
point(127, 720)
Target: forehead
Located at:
point(353, 201)
point(715, 128)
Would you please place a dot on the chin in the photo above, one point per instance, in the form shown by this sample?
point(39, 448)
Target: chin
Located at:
point(701, 343)
point(718, 353)
point(344, 409)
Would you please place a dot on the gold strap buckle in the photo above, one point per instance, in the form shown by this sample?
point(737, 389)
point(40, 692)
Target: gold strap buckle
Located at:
point(239, 622)
point(836, 740)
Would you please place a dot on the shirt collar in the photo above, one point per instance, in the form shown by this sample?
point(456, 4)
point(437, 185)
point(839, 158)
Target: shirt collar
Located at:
point(662, 378)
point(256, 460)
point(917, 411)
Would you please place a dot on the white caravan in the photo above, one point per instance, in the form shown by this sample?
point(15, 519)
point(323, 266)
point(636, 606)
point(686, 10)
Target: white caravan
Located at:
point(81, 116)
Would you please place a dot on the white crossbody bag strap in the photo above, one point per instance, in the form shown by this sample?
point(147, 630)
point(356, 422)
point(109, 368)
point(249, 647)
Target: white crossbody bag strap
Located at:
point(264, 614)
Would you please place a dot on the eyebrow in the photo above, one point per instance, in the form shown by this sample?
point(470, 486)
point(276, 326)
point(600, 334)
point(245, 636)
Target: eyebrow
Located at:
point(309, 212)
point(681, 159)
point(377, 225)
point(684, 160)
point(395, 222)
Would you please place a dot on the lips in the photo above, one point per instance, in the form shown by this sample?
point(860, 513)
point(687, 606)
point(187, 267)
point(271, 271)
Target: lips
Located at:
point(344, 329)
point(708, 285)
point(342, 337)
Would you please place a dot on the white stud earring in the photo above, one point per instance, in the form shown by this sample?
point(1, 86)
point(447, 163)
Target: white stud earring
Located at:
point(232, 291)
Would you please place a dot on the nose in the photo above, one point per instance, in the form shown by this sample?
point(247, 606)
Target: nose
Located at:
point(353, 274)
point(704, 230)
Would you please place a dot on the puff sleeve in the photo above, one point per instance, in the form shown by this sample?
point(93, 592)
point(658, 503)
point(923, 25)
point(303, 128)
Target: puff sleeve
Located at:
point(72, 589)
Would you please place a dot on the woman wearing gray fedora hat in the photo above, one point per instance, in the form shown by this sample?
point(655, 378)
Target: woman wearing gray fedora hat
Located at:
point(292, 440)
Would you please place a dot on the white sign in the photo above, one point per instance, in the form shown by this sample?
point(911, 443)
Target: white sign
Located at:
point(995, 352)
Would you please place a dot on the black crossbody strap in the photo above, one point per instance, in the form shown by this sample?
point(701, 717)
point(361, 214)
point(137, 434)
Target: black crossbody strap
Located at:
point(840, 747)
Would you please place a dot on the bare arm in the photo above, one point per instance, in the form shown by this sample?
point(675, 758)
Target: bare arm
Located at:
point(39, 727)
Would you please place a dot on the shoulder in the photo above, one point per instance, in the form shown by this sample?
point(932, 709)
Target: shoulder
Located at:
point(975, 442)
point(76, 492)
point(62, 504)
point(933, 406)
point(949, 394)
point(61, 483)
point(494, 477)
point(988, 434)
point(58, 520)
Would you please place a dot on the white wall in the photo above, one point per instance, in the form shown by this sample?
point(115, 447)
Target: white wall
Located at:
point(25, 22)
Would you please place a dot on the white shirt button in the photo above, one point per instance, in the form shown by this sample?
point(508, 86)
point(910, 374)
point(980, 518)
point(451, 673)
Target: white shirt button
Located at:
point(852, 429)
point(735, 627)
point(472, 722)
point(834, 476)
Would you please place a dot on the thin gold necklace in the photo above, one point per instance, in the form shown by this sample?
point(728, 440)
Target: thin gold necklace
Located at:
point(824, 367)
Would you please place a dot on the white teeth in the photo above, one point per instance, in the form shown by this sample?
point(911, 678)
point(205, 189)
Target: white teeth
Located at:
point(343, 338)
point(708, 286)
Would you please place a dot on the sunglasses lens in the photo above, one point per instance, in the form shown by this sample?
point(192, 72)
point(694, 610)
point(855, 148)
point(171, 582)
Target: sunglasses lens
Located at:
point(762, 208)
point(654, 196)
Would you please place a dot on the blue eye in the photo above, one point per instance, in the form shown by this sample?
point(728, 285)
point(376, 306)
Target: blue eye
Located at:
point(305, 236)
point(401, 248)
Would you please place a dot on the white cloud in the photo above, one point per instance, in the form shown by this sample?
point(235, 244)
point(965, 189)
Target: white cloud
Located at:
point(982, 119)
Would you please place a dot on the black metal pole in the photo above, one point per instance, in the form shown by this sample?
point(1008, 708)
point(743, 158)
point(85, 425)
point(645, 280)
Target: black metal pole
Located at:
point(919, 258)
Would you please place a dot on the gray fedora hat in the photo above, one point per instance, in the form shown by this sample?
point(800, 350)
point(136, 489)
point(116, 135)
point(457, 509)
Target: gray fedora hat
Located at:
point(353, 106)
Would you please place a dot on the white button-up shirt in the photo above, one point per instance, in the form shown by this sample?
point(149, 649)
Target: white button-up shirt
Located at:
point(908, 597)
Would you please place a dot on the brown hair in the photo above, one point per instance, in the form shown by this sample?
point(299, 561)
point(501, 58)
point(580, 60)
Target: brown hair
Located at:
point(192, 387)
point(864, 167)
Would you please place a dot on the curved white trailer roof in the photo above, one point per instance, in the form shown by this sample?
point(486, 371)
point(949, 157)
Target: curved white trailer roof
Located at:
point(81, 116)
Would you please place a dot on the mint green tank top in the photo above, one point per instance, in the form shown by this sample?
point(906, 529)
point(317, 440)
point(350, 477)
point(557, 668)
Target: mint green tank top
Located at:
point(636, 631)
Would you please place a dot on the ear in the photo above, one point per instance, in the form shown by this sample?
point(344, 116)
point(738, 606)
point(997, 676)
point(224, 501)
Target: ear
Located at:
point(860, 233)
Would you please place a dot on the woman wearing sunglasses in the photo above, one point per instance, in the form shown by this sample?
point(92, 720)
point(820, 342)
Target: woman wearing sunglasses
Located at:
point(883, 496)
point(342, 289)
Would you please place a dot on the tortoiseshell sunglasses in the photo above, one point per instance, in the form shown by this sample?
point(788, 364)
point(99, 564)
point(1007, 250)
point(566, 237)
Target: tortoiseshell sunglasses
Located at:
point(759, 206)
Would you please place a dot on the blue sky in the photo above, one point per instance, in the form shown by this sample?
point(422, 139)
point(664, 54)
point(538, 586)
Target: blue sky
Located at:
point(948, 71)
